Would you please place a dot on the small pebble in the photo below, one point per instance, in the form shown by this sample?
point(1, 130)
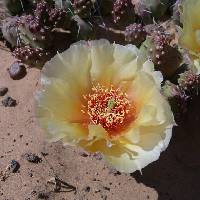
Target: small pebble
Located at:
point(44, 153)
point(9, 102)
point(106, 188)
point(87, 189)
point(3, 91)
point(30, 174)
point(43, 195)
point(98, 156)
point(13, 166)
point(17, 71)
point(31, 157)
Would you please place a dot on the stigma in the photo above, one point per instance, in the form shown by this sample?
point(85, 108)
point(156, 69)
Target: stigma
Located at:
point(108, 107)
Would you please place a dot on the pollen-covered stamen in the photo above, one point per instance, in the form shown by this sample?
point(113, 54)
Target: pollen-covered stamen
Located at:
point(108, 107)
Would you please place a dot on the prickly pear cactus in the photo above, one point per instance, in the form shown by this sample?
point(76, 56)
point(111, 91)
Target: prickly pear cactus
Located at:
point(135, 34)
point(37, 30)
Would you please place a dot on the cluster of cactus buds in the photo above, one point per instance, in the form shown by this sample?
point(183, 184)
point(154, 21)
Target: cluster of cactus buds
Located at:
point(58, 18)
point(189, 82)
point(165, 57)
point(36, 30)
point(135, 34)
point(177, 99)
point(32, 33)
point(41, 11)
point(31, 56)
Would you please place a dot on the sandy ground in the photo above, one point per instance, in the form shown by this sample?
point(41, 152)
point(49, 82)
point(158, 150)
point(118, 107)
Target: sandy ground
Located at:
point(88, 176)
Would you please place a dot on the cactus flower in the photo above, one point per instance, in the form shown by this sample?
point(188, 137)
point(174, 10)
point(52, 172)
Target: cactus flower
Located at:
point(190, 38)
point(105, 98)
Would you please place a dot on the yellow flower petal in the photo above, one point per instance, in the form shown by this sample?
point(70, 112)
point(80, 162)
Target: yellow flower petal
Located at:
point(70, 107)
point(191, 26)
point(61, 102)
point(129, 162)
point(102, 60)
point(72, 66)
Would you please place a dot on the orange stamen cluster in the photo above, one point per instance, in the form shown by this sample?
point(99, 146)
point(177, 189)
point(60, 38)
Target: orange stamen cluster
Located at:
point(107, 107)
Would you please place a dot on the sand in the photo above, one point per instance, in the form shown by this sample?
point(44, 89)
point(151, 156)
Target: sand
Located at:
point(176, 176)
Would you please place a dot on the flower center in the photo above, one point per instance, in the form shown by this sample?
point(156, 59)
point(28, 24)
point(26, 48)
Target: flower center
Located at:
point(108, 107)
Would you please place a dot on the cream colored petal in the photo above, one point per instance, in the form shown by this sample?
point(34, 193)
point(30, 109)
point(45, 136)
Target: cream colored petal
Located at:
point(196, 67)
point(112, 63)
point(72, 66)
point(191, 18)
point(148, 67)
point(141, 87)
point(127, 62)
point(123, 55)
point(164, 113)
point(69, 133)
point(59, 120)
point(102, 60)
point(61, 102)
point(191, 15)
point(153, 114)
point(140, 55)
point(96, 132)
point(144, 92)
point(126, 72)
point(151, 135)
point(147, 116)
point(132, 134)
point(130, 163)
point(156, 111)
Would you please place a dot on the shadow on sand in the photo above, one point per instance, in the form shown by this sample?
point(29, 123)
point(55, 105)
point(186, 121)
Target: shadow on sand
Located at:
point(176, 176)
